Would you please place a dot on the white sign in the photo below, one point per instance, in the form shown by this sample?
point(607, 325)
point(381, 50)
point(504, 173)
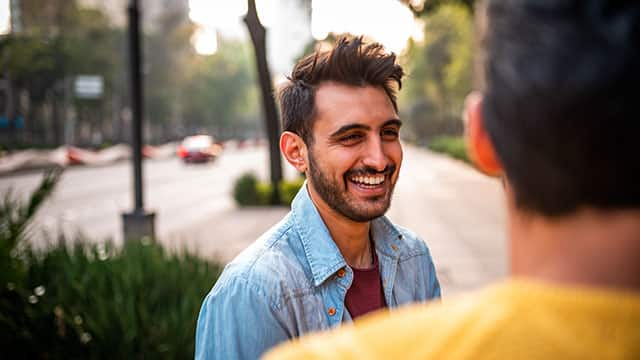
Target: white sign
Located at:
point(88, 86)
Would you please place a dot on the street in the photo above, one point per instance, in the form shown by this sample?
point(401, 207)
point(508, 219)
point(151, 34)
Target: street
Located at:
point(456, 210)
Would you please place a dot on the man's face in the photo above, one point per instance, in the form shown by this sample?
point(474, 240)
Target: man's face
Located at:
point(355, 154)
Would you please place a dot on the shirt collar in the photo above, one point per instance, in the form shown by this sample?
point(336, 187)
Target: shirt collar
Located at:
point(321, 251)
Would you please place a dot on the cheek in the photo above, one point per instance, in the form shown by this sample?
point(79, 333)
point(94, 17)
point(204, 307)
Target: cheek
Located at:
point(394, 153)
point(341, 161)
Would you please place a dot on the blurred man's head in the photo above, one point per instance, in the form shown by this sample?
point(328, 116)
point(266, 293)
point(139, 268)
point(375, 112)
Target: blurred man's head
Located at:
point(559, 104)
point(341, 127)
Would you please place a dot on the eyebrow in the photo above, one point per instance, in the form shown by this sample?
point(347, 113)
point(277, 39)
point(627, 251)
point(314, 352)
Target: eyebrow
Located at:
point(350, 127)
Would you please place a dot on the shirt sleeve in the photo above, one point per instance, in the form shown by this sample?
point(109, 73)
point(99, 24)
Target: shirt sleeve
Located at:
point(432, 283)
point(237, 321)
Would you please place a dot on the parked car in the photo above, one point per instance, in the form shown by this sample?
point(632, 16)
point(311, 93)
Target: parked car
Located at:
point(198, 148)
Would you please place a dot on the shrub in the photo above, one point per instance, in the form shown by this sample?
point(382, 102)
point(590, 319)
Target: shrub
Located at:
point(97, 300)
point(289, 189)
point(454, 146)
point(249, 192)
point(245, 190)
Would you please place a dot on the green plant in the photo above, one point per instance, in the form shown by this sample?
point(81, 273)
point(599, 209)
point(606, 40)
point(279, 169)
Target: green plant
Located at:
point(15, 218)
point(245, 190)
point(454, 146)
point(96, 300)
point(248, 191)
point(289, 189)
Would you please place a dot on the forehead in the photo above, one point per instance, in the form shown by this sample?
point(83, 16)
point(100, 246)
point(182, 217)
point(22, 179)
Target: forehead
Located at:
point(338, 105)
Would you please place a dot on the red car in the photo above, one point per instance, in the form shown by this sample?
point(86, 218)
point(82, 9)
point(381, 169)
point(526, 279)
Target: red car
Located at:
point(198, 148)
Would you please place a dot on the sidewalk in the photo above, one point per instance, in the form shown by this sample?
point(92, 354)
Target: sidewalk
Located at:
point(456, 210)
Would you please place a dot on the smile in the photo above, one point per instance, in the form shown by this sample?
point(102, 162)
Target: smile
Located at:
point(368, 180)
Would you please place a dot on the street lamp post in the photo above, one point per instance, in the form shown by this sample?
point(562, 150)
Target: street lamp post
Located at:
point(138, 223)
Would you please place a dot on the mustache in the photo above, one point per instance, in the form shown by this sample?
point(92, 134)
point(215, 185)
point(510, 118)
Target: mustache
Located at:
point(389, 169)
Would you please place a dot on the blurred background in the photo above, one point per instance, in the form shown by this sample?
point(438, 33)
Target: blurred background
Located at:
point(211, 176)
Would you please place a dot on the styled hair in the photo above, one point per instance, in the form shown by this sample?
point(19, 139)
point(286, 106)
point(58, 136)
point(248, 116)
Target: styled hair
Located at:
point(562, 87)
point(351, 62)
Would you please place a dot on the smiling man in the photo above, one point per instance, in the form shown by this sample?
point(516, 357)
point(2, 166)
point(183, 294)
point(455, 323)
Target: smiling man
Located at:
point(335, 256)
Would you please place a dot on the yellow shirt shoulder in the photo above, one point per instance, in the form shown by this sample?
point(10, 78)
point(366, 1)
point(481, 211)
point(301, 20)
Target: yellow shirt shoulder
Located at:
point(516, 319)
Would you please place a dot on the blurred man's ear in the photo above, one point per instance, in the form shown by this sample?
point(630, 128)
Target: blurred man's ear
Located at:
point(294, 150)
point(479, 146)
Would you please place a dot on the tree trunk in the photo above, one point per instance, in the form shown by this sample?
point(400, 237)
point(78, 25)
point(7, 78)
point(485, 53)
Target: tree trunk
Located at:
point(258, 38)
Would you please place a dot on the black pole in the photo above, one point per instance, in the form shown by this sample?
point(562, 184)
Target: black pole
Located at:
point(136, 103)
point(139, 224)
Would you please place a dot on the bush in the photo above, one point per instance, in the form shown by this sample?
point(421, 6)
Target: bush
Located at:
point(245, 190)
point(454, 146)
point(289, 189)
point(97, 301)
point(248, 191)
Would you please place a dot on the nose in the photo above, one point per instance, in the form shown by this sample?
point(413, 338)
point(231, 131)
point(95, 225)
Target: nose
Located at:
point(374, 156)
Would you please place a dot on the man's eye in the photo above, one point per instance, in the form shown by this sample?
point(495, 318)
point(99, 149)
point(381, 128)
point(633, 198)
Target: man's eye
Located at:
point(389, 134)
point(352, 138)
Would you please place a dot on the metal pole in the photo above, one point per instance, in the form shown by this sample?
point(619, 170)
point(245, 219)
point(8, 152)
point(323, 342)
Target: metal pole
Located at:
point(136, 104)
point(138, 224)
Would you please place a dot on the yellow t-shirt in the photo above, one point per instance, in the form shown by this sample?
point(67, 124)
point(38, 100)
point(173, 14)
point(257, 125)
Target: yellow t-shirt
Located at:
point(517, 319)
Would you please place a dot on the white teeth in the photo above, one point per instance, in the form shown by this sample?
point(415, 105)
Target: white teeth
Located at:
point(368, 180)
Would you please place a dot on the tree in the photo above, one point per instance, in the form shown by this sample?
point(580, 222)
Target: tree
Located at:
point(258, 38)
point(218, 88)
point(440, 71)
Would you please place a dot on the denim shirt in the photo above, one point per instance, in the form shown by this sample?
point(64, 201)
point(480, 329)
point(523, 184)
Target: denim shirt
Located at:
point(287, 284)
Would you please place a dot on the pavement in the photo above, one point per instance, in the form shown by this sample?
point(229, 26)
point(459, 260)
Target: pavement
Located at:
point(458, 211)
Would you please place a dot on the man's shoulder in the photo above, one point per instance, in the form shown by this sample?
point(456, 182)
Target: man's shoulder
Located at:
point(266, 266)
point(415, 331)
point(496, 322)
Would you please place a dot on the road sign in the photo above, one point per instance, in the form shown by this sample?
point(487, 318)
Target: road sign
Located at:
point(88, 86)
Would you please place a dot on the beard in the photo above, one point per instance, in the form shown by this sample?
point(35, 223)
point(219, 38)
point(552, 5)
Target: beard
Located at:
point(334, 192)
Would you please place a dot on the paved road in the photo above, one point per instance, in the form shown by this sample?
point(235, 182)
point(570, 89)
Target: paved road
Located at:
point(457, 211)
point(90, 199)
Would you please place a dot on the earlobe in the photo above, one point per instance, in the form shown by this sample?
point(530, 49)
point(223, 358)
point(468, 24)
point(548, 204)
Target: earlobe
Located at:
point(479, 145)
point(294, 150)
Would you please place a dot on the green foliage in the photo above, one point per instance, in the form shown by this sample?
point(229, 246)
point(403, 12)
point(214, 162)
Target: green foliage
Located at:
point(249, 192)
point(95, 300)
point(245, 190)
point(289, 189)
point(15, 218)
point(220, 91)
point(454, 146)
point(440, 70)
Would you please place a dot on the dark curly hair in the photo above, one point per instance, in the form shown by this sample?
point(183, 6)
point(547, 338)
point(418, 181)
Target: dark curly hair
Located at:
point(351, 62)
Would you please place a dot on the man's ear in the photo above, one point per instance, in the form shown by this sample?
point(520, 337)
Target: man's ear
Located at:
point(294, 150)
point(479, 145)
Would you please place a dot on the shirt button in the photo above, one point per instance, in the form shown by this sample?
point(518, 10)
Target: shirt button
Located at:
point(395, 248)
point(331, 311)
point(342, 273)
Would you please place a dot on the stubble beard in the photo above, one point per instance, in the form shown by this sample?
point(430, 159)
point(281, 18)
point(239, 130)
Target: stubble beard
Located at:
point(341, 201)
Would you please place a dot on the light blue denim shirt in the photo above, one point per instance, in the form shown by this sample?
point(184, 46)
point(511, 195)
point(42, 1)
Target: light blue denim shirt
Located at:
point(286, 284)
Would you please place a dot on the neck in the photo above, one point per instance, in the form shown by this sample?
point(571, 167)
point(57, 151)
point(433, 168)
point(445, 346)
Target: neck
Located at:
point(351, 237)
point(590, 247)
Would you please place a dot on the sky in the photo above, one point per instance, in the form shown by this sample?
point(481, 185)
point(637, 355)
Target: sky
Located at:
point(289, 28)
point(5, 25)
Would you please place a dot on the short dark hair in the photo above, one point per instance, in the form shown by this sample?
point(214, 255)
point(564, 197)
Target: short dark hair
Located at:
point(561, 101)
point(352, 62)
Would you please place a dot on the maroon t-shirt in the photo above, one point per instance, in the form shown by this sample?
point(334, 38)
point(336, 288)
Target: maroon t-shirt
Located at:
point(366, 292)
